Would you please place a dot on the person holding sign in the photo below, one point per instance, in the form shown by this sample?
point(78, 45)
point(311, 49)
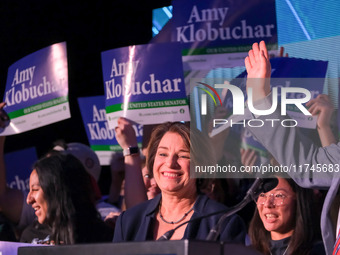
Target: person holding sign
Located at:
point(61, 195)
point(134, 190)
point(291, 148)
point(169, 157)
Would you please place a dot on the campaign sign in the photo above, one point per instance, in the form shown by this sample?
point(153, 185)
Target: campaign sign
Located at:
point(219, 26)
point(144, 83)
point(307, 74)
point(101, 138)
point(19, 166)
point(37, 90)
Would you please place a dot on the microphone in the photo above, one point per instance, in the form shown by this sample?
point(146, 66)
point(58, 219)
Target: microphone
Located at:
point(167, 235)
point(260, 185)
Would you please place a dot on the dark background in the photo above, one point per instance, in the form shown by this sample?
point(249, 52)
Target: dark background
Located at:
point(88, 27)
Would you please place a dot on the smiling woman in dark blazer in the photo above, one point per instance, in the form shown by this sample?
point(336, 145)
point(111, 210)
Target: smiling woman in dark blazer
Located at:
point(180, 200)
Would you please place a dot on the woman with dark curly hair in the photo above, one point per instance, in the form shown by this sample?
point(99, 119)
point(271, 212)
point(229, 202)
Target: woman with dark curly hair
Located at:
point(62, 197)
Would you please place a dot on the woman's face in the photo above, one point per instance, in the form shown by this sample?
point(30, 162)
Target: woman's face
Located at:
point(171, 167)
point(36, 198)
point(152, 189)
point(277, 218)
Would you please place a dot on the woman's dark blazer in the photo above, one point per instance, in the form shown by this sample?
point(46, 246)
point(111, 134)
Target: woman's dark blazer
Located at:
point(136, 224)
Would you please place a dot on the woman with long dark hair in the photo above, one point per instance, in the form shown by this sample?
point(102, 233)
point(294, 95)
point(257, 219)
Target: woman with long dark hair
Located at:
point(62, 197)
point(284, 221)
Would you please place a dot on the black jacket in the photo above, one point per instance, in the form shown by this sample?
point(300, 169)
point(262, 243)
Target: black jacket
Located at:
point(136, 224)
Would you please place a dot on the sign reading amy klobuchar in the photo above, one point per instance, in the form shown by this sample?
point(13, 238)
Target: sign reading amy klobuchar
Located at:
point(219, 26)
point(37, 90)
point(102, 139)
point(145, 83)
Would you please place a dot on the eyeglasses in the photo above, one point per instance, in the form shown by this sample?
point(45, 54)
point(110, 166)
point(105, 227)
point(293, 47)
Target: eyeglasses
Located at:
point(277, 199)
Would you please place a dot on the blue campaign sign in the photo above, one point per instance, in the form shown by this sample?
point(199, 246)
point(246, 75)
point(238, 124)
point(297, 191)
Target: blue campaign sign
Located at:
point(94, 117)
point(19, 166)
point(36, 91)
point(38, 77)
point(145, 83)
point(101, 138)
point(298, 68)
point(208, 24)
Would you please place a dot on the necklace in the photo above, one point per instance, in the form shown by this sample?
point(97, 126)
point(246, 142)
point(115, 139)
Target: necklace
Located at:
point(173, 222)
point(284, 251)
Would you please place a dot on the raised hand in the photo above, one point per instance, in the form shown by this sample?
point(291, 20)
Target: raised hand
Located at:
point(259, 71)
point(134, 188)
point(125, 134)
point(322, 106)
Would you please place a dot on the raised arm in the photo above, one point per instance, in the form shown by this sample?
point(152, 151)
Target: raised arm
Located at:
point(323, 108)
point(286, 144)
point(259, 71)
point(134, 189)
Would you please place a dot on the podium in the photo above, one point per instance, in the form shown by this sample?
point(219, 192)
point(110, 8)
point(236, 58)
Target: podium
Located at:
point(231, 249)
point(180, 247)
point(176, 247)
